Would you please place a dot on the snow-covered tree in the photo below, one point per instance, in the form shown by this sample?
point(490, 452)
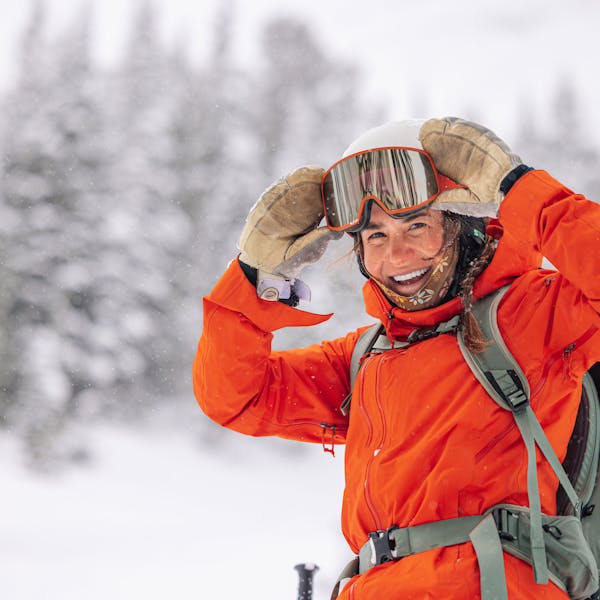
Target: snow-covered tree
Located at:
point(562, 146)
point(308, 105)
point(146, 231)
point(51, 168)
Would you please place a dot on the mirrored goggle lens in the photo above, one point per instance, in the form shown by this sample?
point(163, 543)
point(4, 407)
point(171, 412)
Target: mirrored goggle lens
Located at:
point(401, 179)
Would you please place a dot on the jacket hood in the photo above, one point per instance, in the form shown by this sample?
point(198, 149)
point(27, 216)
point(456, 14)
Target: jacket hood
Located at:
point(510, 260)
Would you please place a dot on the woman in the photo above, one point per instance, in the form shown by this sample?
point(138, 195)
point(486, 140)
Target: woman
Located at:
point(424, 441)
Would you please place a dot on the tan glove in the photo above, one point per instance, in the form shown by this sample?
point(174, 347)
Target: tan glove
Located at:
point(473, 156)
point(282, 235)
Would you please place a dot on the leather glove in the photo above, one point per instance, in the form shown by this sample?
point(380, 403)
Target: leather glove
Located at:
point(472, 156)
point(282, 234)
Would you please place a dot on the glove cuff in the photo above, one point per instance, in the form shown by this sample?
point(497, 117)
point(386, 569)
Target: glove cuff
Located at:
point(286, 291)
point(512, 177)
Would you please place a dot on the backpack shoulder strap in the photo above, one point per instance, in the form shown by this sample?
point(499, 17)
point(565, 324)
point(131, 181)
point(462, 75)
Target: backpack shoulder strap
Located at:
point(583, 452)
point(495, 367)
point(500, 374)
point(587, 481)
point(364, 343)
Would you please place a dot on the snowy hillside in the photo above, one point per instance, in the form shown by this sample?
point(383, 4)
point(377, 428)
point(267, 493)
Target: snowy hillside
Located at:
point(158, 515)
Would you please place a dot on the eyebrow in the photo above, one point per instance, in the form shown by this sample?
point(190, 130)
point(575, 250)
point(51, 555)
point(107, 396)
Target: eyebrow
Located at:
point(408, 219)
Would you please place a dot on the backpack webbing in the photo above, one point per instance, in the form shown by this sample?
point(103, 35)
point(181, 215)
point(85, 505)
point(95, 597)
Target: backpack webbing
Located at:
point(501, 376)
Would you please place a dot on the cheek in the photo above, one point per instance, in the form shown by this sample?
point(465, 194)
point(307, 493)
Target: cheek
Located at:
point(371, 260)
point(434, 243)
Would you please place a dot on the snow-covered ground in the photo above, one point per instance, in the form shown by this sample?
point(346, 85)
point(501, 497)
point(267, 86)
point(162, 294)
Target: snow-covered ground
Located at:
point(158, 513)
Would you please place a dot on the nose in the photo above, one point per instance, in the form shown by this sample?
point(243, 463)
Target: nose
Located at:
point(399, 250)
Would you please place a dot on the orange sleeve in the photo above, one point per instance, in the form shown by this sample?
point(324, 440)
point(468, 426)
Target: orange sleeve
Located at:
point(562, 226)
point(243, 385)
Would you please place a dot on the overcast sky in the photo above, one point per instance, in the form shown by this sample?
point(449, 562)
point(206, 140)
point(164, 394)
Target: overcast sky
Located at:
point(475, 55)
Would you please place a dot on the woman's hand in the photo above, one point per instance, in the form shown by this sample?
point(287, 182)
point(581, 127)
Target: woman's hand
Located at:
point(474, 156)
point(282, 233)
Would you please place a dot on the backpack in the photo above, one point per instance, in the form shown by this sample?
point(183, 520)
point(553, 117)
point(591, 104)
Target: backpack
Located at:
point(548, 543)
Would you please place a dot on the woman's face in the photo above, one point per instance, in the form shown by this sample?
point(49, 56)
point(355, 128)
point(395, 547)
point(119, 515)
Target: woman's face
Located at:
point(401, 252)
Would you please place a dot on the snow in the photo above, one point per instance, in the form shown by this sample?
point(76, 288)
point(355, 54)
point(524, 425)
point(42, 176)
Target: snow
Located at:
point(158, 514)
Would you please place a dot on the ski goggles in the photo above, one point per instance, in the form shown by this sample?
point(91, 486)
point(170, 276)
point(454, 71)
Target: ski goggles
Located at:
point(400, 180)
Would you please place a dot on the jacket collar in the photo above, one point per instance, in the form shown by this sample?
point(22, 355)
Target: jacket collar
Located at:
point(512, 258)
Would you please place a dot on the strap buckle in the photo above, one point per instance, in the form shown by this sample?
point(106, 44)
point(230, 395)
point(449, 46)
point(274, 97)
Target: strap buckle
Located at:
point(383, 546)
point(506, 382)
point(507, 524)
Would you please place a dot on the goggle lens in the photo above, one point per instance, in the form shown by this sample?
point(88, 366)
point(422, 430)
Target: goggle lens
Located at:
point(399, 179)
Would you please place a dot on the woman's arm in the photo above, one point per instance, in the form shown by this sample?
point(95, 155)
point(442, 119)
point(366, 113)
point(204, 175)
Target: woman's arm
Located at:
point(241, 384)
point(541, 213)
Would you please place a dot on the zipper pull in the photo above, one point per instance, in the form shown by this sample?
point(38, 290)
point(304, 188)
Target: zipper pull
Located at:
point(328, 444)
point(388, 327)
point(567, 357)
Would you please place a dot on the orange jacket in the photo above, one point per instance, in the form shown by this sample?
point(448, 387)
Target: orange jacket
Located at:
point(424, 442)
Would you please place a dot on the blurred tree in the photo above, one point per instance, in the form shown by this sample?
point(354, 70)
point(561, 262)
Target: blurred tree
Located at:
point(146, 229)
point(214, 153)
point(307, 105)
point(562, 147)
point(50, 168)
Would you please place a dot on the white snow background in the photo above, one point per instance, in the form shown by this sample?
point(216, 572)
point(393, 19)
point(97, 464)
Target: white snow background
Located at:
point(158, 513)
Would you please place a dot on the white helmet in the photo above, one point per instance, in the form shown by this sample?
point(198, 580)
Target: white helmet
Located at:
point(405, 134)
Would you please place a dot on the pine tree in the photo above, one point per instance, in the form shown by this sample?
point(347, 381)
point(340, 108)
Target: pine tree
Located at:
point(147, 230)
point(561, 146)
point(307, 101)
point(49, 172)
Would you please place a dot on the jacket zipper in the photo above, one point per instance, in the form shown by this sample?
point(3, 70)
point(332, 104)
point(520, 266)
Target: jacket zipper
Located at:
point(328, 445)
point(368, 496)
point(563, 354)
point(378, 397)
point(482, 453)
point(361, 404)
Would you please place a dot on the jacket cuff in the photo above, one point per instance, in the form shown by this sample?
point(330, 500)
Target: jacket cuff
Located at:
point(234, 292)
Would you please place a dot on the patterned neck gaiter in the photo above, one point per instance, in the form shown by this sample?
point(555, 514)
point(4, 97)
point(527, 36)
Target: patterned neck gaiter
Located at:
point(436, 286)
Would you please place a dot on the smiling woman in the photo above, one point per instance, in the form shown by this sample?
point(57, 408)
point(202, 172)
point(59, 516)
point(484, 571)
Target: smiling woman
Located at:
point(420, 419)
point(404, 253)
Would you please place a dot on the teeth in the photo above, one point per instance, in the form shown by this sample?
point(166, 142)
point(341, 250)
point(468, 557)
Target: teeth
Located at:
point(411, 275)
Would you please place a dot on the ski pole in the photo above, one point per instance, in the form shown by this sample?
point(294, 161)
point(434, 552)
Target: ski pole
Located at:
point(306, 573)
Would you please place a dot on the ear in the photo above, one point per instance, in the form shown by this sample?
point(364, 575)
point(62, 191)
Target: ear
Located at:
point(358, 251)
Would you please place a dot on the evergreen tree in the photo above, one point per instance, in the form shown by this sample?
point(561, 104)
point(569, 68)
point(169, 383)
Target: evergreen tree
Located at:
point(562, 146)
point(49, 171)
point(147, 231)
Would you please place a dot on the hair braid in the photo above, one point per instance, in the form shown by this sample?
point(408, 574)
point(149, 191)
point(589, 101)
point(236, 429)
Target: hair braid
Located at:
point(472, 334)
